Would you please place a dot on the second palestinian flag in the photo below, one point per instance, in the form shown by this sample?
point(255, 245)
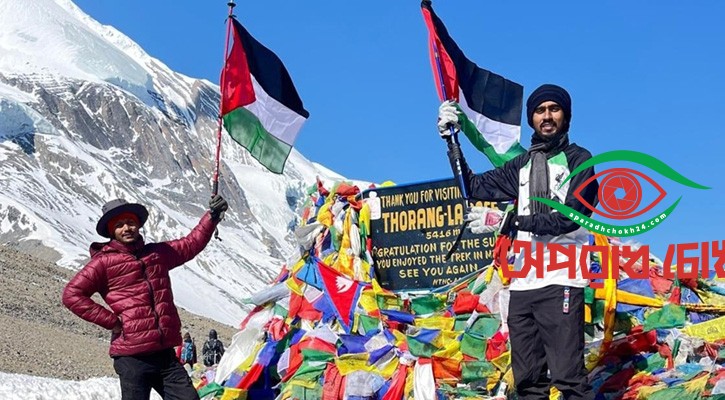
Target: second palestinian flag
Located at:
point(491, 103)
point(260, 107)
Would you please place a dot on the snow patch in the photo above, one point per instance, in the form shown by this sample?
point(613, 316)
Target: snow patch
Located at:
point(27, 387)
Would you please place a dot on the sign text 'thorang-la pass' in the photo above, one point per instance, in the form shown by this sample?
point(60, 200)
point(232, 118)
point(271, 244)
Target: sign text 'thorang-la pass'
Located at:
point(414, 226)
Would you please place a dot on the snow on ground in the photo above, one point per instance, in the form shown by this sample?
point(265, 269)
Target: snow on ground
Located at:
point(26, 387)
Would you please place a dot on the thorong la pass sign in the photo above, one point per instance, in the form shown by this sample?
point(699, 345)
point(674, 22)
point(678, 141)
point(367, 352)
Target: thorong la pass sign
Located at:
point(414, 226)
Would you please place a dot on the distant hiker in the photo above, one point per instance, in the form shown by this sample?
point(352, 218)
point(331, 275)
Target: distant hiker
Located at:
point(132, 277)
point(213, 349)
point(186, 353)
point(546, 315)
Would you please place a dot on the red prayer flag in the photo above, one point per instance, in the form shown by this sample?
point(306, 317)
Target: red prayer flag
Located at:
point(342, 292)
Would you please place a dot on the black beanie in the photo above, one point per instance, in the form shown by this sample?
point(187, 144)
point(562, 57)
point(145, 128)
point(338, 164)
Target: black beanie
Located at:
point(548, 92)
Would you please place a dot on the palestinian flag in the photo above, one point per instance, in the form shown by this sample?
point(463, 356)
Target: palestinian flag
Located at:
point(260, 107)
point(490, 102)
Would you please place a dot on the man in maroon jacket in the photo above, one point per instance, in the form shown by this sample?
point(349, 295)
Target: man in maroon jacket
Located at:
point(133, 279)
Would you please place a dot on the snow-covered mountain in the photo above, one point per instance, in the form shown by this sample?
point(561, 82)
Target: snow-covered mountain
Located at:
point(87, 116)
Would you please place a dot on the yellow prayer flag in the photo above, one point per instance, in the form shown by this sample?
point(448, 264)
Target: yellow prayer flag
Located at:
point(364, 217)
point(400, 338)
point(502, 362)
point(330, 259)
point(710, 331)
point(297, 289)
point(324, 215)
point(436, 322)
point(367, 301)
point(344, 259)
point(646, 391)
point(351, 362)
point(449, 346)
point(234, 394)
point(492, 381)
point(387, 369)
point(696, 385)
point(247, 363)
point(447, 339)
point(303, 383)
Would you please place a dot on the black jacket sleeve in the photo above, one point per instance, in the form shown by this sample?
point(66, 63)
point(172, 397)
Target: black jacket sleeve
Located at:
point(555, 223)
point(499, 184)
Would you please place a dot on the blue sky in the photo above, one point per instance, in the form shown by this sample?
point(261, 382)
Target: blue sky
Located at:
point(644, 76)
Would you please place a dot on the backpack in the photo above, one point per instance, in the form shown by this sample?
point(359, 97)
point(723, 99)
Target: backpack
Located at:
point(187, 353)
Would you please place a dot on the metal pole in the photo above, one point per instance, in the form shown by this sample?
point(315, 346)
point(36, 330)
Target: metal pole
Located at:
point(215, 182)
point(453, 138)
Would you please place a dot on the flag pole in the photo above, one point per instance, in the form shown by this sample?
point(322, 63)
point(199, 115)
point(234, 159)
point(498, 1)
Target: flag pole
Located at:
point(215, 182)
point(453, 137)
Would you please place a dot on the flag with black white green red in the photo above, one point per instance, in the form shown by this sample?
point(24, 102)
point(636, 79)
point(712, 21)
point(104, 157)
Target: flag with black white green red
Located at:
point(491, 104)
point(260, 106)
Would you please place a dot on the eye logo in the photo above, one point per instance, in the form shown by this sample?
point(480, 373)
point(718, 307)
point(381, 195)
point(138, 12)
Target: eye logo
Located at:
point(620, 193)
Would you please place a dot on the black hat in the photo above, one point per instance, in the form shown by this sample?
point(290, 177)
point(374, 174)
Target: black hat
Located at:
point(548, 92)
point(115, 208)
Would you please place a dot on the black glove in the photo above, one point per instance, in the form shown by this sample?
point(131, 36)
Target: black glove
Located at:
point(510, 225)
point(217, 206)
point(455, 153)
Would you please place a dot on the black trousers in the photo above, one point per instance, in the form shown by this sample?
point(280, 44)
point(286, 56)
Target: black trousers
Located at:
point(160, 371)
point(545, 338)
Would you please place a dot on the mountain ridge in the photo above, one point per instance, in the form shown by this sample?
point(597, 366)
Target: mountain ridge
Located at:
point(87, 116)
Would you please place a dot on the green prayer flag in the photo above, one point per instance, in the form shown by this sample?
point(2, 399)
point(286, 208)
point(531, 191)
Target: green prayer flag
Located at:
point(654, 362)
point(460, 322)
point(304, 393)
point(316, 355)
point(670, 316)
point(473, 346)
point(389, 302)
point(485, 326)
point(476, 370)
point(477, 288)
point(313, 365)
point(674, 393)
point(213, 387)
point(368, 323)
point(597, 311)
point(335, 238)
point(281, 311)
point(420, 349)
point(427, 304)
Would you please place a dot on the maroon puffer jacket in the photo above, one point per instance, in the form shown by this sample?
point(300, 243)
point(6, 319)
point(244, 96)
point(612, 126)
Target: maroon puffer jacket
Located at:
point(135, 284)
